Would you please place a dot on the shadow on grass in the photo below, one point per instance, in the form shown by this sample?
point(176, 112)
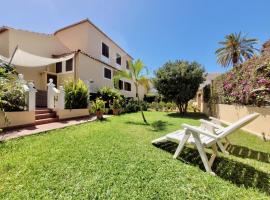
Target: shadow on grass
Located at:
point(235, 172)
point(191, 115)
point(244, 152)
point(141, 123)
point(158, 125)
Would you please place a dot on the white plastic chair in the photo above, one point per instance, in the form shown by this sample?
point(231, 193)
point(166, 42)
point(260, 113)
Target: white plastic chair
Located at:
point(207, 135)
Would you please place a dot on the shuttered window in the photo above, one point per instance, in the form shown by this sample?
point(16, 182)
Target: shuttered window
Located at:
point(59, 67)
point(107, 73)
point(120, 85)
point(105, 50)
point(127, 65)
point(127, 86)
point(118, 59)
point(69, 66)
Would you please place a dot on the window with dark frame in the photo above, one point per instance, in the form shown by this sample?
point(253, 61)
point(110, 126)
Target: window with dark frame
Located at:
point(118, 59)
point(120, 85)
point(127, 64)
point(127, 86)
point(107, 73)
point(69, 66)
point(105, 50)
point(58, 67)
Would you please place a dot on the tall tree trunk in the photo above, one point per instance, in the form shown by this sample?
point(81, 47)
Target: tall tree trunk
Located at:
point(137, 95)
point(235, 59)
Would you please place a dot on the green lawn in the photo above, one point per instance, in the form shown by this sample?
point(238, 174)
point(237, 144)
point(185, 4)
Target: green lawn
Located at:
point(115, 159)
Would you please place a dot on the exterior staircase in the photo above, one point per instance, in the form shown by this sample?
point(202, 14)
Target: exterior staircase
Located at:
point(45, 116)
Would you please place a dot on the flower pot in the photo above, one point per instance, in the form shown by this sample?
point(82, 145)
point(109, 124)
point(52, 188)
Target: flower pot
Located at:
point(116, 111)
point(99, 115)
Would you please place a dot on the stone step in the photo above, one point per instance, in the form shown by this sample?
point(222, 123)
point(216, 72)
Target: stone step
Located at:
point(43, 111)
point(45, 115)
point(46, 121)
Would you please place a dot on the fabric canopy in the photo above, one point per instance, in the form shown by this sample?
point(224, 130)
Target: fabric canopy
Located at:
point(25, 59)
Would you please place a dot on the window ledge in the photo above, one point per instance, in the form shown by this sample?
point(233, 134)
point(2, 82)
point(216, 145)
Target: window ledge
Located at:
point(118, 66)
point(105, 59)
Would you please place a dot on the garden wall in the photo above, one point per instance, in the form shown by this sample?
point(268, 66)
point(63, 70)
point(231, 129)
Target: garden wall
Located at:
point(15, 119)
point(231, 113)
point(73, 113)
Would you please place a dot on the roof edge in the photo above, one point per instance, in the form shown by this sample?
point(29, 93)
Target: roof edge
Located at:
point(91, 23)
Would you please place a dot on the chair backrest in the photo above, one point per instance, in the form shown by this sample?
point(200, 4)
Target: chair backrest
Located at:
point(238, 124)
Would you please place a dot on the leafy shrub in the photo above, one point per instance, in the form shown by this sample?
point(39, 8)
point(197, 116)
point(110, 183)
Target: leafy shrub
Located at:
point(131, 106)
point(144, 105)
point(97, 105)
point(115, 104)
point(193, 107)
point(12, 96)
point(163, 106)
point(153, 106)
point(246, 84)
point(170, 106)
point(207, 93)
point(12, 93)
point(149, 98)
point(76, 95)
point(108, 95)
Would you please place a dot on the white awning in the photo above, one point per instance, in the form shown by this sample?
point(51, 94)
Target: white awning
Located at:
point(25, 59)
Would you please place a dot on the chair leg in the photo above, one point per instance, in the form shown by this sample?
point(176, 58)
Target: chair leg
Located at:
point(202, 153)
point(181, 145)
point(214, 155)
point(222, 148)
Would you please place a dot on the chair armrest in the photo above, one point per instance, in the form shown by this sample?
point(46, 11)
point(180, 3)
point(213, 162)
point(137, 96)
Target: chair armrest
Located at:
point(215, 120)
point(211, 124)
point(198, 131)
point(219, 121)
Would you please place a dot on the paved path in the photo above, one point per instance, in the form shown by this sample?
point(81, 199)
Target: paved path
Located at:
point(31, 130)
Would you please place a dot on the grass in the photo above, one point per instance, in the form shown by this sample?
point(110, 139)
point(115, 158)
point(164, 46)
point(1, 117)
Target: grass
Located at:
point(114, 159)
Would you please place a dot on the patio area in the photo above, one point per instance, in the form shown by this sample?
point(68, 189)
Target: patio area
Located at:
point(114, 159)
point(31, 130)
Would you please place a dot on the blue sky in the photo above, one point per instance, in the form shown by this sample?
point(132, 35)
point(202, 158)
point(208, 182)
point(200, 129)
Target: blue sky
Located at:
point(153, 30)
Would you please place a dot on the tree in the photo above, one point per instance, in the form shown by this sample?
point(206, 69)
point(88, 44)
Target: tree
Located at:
point(135, 74)
point(179, 81)
point(235, 49)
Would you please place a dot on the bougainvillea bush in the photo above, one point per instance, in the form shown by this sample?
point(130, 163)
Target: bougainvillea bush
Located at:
point(247, 84)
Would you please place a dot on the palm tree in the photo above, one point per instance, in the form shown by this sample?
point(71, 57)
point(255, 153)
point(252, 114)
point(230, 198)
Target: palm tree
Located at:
point(135, 74)
point(236, 49)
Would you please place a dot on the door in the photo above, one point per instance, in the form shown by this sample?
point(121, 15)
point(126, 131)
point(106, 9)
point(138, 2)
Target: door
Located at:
point(53, 77)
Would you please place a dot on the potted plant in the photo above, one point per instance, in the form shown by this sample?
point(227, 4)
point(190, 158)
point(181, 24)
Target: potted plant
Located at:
point(115, 106)
point(98, 107)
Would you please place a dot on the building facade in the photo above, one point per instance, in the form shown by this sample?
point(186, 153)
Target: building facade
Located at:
point(97, 58)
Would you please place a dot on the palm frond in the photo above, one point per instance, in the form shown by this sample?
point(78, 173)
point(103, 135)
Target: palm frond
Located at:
point(145, 82)
point(235, 49)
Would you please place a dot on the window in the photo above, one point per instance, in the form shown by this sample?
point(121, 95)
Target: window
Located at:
point(120, 85)
point(105, 50)
point(127, 86)
point(118, 59)
point(127, 65)
point(59, 67)
point(107, 73)
point(69, 65)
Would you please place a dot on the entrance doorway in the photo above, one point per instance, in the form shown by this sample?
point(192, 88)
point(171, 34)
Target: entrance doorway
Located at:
point(53, 77)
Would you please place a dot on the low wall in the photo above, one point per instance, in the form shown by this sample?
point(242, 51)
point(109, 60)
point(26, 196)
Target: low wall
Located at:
point(15, 119)
point(231, 113)
point(73, 113)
